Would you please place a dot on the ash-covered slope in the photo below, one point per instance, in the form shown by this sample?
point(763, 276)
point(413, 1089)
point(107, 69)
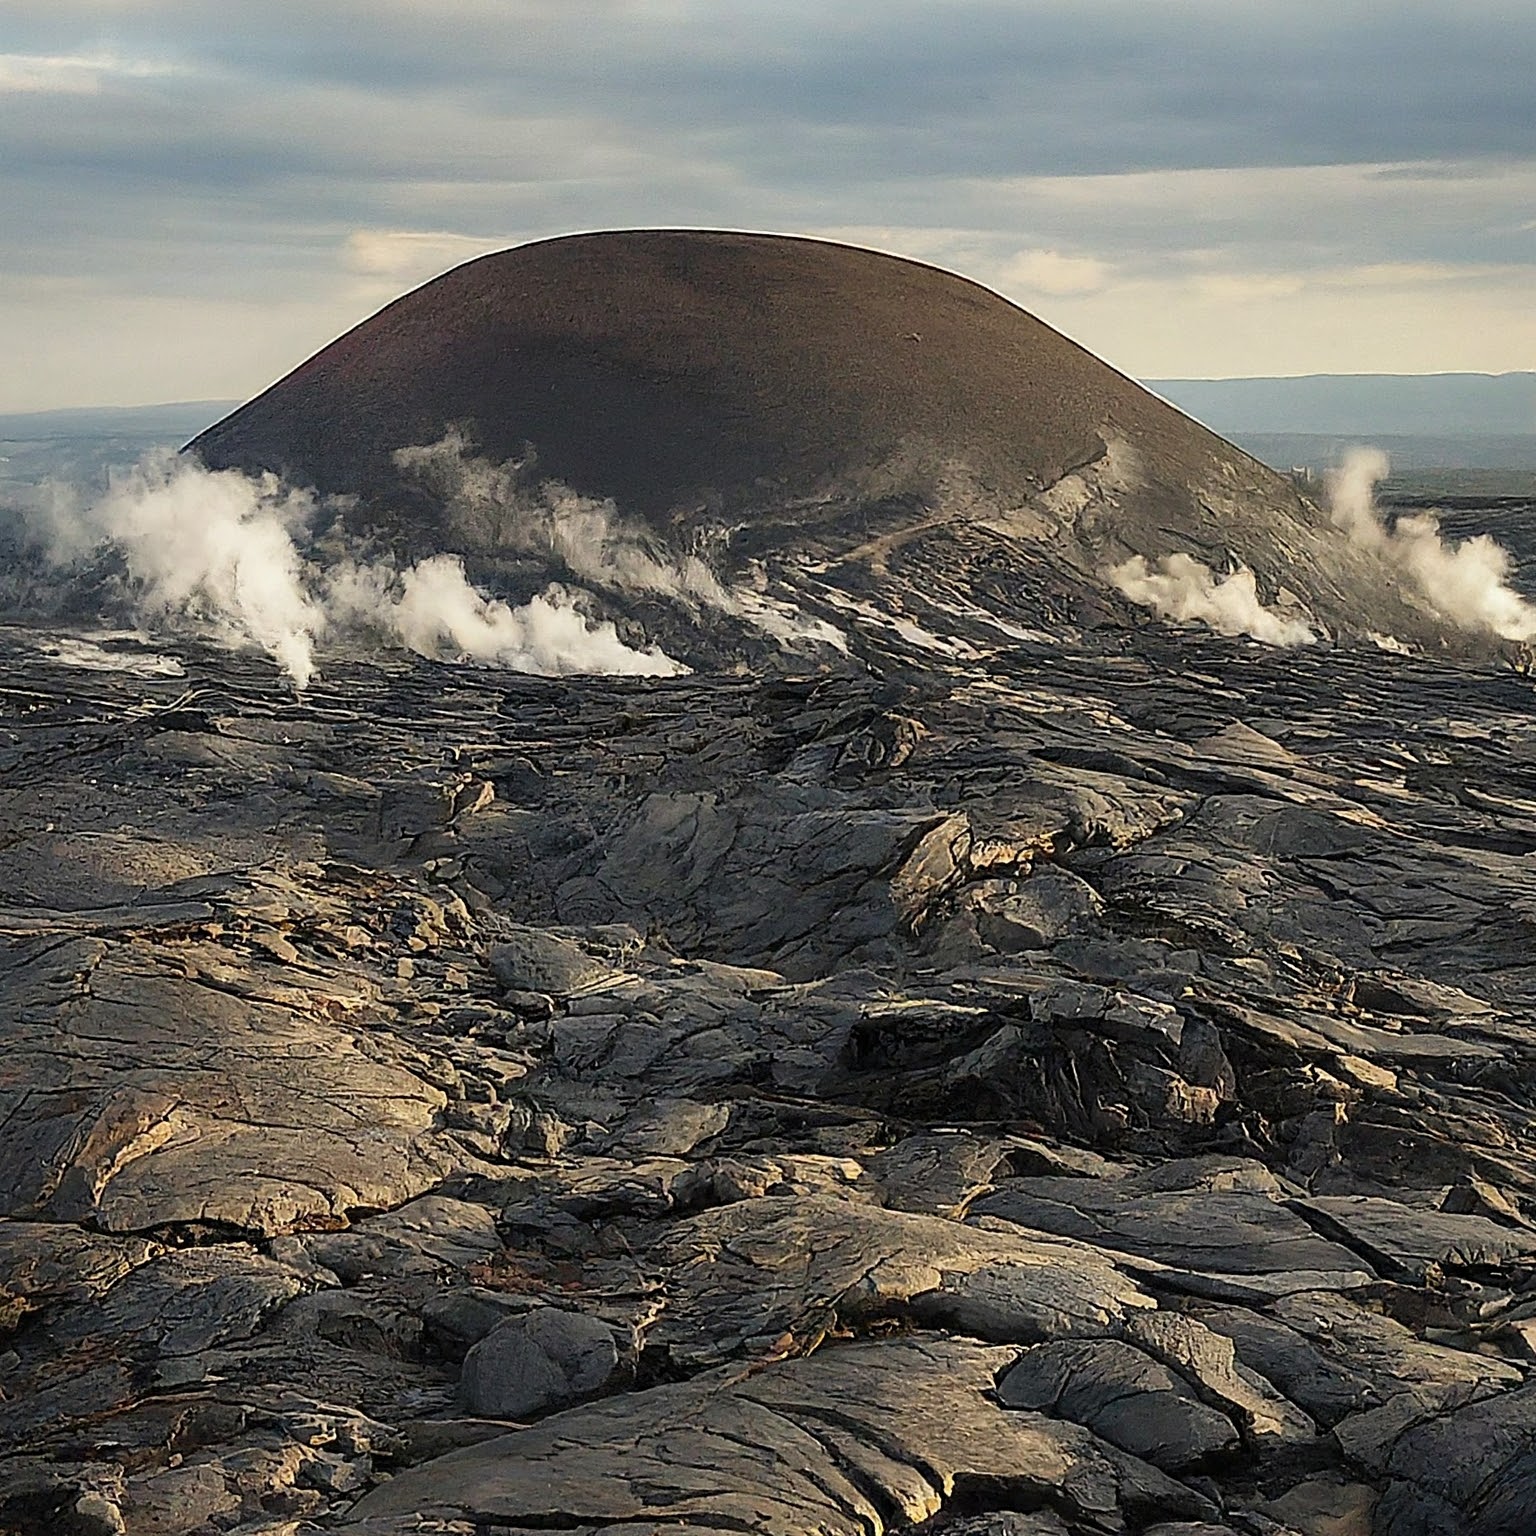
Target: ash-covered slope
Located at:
point(803, 394)
point(678, 370)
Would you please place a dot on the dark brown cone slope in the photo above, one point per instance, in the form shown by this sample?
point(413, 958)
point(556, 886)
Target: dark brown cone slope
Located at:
point(669, 368)
point(783, 382)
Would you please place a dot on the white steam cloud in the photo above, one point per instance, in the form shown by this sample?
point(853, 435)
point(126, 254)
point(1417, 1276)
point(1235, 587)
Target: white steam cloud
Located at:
point(1466, 584)
point(432, 609)
point(1182, 588)
point(225, 552)
point(218, 548)
point(496, 506)
point(491, 506)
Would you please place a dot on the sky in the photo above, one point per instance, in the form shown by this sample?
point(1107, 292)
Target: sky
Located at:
point(195, 195)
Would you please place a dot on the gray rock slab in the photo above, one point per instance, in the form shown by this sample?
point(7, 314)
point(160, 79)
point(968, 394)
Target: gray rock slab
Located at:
point(155, 1323)
point(847, 1440)
point(1334, 1358)
point(1207, 1360)
point(530, 960)
point(430, 1235)
point(938, 1174)
point(533, 1364)
point(1124, 1396)
point(1402, 1240)
point(1220, 1231)
point(298, 1115)
point(795, 877)
point(743, 1276)
point(671, 1127)
point(1471, 1472)
point(1325, 1506)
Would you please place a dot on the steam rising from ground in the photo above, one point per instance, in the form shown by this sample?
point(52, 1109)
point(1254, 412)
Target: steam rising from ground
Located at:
point(500, 506)
point(433, 610)
point(1183, 588)
point(1466, 585)
point(221, 549)
point(216, 547)
point(503, 506)
point(235, 556)
point(226, 551)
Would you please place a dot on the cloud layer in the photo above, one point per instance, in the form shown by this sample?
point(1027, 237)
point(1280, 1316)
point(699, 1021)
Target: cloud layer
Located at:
point(1176, 184)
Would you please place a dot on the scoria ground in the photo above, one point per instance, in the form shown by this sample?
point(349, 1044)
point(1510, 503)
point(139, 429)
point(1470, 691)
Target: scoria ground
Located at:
point(1013, 1079)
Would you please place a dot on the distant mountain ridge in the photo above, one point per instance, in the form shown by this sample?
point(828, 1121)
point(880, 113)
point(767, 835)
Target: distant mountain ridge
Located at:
point(81, 445)
point(1443, 405)
point(178, 418)
point(1460, 421)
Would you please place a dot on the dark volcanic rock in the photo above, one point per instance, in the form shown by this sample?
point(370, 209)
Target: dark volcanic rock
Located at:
point(805, 1456)
point(529, 1365)
point(666, 369)
point(771, 1174)
point(1124, 1396)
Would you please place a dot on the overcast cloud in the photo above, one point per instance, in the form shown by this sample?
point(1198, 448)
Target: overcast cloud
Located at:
point(198, 195)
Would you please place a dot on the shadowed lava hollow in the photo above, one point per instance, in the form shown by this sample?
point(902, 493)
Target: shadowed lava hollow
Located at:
point(992, 1083)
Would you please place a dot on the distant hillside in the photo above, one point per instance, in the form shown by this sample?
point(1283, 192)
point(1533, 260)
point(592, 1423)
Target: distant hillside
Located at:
point(181, 419)
point(80, 446)
point(1407, 451)
point(1439, 405)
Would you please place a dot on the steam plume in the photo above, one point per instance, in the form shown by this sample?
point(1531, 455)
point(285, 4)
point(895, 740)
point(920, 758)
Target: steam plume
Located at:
point(494, 506)
point(218, 549)
point(215, 547)
point(501, 506)
point(1466, 584)
point(1183, 588)
point(432, 609)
